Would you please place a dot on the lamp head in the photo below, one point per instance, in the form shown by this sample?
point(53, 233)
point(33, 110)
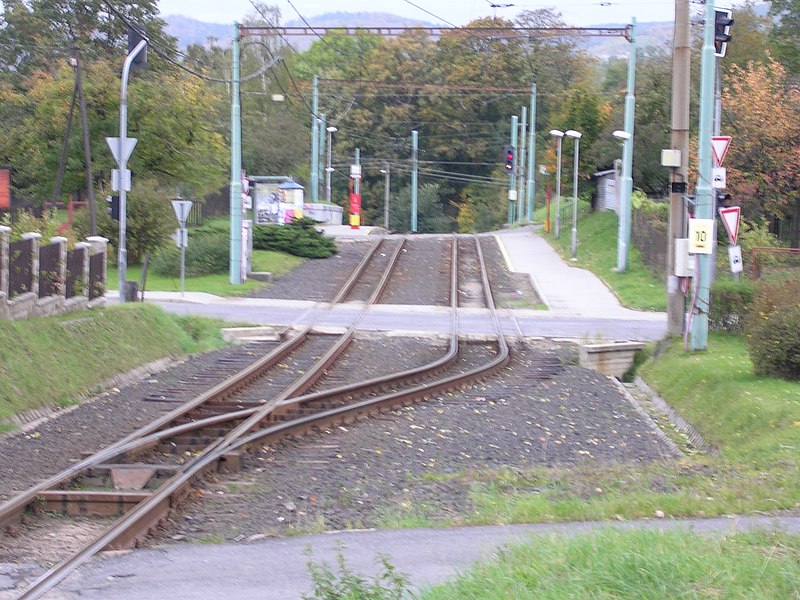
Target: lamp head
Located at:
point(622, 136)
point(332, 129)
point(556, 133)
point(573, 134)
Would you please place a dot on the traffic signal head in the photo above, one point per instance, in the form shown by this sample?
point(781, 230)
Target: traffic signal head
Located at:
point(113, 207)
point(723, 20)
point(508, 153)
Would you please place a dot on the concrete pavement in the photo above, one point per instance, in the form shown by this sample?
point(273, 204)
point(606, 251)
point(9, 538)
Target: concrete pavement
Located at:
point(276, 569)
point(579, 305)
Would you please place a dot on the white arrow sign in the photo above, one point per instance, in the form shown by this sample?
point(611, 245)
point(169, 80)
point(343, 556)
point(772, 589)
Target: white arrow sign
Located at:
point(181, 208)
point(127, 148)
point(719, 146)
point(730, 219)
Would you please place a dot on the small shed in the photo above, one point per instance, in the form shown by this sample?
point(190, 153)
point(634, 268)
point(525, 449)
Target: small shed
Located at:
point(607, 190)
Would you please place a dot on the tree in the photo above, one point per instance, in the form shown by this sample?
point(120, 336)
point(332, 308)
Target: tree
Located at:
point(429, 212)
point(784, 36)
point(760, 108)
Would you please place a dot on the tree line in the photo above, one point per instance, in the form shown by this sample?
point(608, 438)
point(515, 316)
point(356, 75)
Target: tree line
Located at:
point(458, 92)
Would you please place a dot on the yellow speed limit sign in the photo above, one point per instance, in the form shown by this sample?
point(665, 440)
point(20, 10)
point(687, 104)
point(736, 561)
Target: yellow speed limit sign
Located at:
point(701, 236)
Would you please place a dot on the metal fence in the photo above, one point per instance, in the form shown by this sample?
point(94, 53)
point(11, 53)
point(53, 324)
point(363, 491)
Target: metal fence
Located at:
point(20, 267)
point(73, 285)
point(96, 276)
point(49, 270)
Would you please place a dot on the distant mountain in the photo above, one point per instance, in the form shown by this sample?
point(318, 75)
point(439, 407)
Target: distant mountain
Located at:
point(191, 31)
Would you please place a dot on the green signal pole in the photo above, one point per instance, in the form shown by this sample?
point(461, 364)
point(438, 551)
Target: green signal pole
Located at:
point(236, 168)
point(530, 191)
point(512, 188)
point(704, 196)
point(624, 231)
point(315, 142)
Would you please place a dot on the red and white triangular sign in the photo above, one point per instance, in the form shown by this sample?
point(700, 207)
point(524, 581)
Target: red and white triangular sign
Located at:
point(719, 146)
point(730, 219)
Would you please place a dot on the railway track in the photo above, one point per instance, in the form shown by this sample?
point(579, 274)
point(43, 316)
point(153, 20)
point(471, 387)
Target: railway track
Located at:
point(146, 473)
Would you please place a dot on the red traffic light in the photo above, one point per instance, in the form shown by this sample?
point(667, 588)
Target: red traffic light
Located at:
point(509, 154)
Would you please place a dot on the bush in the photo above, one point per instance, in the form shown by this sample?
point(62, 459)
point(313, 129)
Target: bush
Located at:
point(772, 338)
point(206, 254)
point(731, 303)
point(150, 221)
point(299, 238)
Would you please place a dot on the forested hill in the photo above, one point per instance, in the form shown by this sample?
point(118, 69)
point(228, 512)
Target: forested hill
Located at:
point(191, 31)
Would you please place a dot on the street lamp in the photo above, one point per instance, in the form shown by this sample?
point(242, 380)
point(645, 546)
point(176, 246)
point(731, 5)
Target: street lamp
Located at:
point(558, 135)
point(386, 175)
point(328, 170)
point(576, 135)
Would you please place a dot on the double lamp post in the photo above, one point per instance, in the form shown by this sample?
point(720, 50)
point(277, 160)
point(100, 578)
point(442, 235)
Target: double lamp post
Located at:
point(576, 135)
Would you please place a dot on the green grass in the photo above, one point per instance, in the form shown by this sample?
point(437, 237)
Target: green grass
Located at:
point(219, 284)
point(59, 359)
point(635, 565)
point(597, 251)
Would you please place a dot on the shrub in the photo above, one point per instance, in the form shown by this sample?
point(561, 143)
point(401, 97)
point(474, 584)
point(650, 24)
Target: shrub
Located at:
point(150, 221)
point(732, 301)
point(206, 254)
point(772, 338)
point(299, 238)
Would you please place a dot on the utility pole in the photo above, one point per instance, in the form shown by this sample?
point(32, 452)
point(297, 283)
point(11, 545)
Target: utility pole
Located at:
point(414, 178)
point(386, 185)
point(624, 232)
point(236, 168)
point(87, 148)
point(314, 184)
point(681, 60)
point(523, 125)
point(704, 197)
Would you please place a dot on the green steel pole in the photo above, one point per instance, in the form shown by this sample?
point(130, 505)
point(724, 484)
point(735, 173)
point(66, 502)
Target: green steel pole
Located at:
point(530, 197)
point(512, 188)
point(357, 183)
point(414, 178)
point(624, 231)
point(523, 124)
point(315, 141)
point(704, 196)
point(236, 168)
point(323, 124)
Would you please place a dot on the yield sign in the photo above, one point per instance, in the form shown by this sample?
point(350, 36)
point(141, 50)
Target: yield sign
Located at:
point(181, 208)
point(128, 144)
point(730, 219)
point(719, 146)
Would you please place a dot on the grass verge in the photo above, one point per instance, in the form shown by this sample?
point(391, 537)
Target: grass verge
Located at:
point(218, 284)
point(59, 359)
point(597, 251)
point(636, 565)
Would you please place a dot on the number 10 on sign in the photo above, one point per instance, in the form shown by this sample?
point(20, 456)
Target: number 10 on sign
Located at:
point(701, 236)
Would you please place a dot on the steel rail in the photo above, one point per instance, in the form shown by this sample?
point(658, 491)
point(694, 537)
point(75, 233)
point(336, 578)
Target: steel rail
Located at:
point(160, 500)
point(235, 441)
point(13, 508)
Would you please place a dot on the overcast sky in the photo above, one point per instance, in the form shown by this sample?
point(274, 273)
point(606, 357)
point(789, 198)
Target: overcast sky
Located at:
point(457, 12)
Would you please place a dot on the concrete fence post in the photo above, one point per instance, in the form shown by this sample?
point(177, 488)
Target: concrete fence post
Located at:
point(35, 237)
point(5, 235)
